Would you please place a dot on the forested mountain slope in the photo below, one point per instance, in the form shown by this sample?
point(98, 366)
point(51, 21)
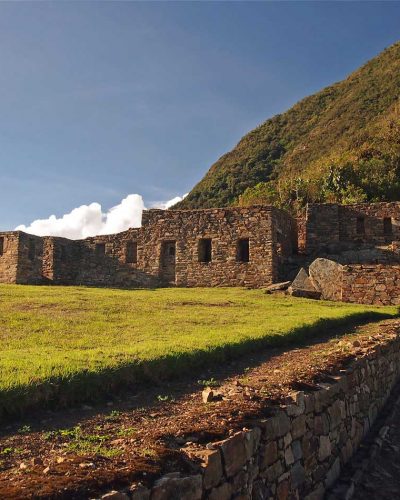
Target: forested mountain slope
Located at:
point(340, 144)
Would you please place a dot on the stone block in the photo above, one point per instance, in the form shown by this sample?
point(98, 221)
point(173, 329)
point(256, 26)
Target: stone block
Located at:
point(139, 492)
point(298, 427)
point(283, 489)
point(212, 467)
point(260, 491)
point(297, 475)
point(270, 454)
point(297, 450)
point(289, 458)
point(223, 492)
point(234, 453)
point(172, 488)
point(325, 448)
point(252, 441)
point(274, 471)
point(335, 414)
point(333, 473)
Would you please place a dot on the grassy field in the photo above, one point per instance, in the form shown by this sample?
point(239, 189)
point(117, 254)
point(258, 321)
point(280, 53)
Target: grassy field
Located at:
point(61, 345)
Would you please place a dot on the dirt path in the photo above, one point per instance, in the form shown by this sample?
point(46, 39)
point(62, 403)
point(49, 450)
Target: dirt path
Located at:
point(80, 453)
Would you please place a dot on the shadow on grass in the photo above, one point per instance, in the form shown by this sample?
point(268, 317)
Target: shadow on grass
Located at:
point(90, 387)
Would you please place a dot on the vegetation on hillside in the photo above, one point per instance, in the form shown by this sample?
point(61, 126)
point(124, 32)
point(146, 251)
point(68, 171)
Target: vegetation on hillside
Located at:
point(62, 345)
point(339, 145)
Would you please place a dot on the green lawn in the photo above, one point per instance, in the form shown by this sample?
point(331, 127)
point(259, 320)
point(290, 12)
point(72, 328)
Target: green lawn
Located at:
point(64, 344)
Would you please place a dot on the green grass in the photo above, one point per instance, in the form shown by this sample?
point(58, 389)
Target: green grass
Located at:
point(61, 345)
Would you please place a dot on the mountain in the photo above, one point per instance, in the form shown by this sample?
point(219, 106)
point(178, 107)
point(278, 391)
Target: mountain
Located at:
point(340, 144)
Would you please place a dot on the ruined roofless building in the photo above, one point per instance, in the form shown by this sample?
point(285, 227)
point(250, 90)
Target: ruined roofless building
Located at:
point(252, 246)
point(188, 248)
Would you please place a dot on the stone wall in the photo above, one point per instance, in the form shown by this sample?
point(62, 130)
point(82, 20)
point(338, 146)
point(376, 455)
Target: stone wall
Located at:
point(30, 259)
point(296, 452)
point(322, 226)
point(245, 247)
point(225, 228)
point(371, 284)
point(333, 226)
point(9, 256)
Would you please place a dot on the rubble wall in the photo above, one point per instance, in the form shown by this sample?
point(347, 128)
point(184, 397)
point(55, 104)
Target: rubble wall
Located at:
point(9, 256)
point(298, 451)
point(224, 227)
point(339, 226)
point(371, 284)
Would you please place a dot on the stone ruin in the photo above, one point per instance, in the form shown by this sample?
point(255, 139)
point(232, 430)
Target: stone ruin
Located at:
point(347, 252)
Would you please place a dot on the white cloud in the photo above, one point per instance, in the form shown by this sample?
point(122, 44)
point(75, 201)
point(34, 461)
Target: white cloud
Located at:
point(168, 204)
point(90, 220)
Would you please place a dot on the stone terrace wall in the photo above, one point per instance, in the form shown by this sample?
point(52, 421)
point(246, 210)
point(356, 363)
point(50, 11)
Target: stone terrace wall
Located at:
point(9, 257)
point(375, 284)
point(299, 451)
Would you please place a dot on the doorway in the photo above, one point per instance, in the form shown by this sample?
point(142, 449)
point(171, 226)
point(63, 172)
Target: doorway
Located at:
point(168, 261)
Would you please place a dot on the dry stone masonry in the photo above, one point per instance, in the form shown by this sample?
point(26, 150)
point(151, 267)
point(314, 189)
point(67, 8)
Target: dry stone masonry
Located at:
point(346, 252)
point(213, 247)
point(296, 452)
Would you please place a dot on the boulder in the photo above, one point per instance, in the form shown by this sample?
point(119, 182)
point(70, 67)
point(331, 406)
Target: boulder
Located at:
point(326, 277)
point(303, 287)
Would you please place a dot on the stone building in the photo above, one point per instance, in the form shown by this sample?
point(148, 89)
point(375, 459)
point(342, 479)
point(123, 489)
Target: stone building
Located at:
point(357, 248)
point(211, 247)
point(336, 228)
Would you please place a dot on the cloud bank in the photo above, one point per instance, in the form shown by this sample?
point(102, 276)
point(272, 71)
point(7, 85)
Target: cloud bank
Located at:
point(90, 220)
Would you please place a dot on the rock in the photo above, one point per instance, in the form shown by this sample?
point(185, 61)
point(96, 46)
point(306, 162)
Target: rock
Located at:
point(208, 395)
point(326, 277)
point(139, 492)
point(324, 448)
point(297, 475)
point(282, 492)
point(270, 454)
point(298, 427)
point(211, 465)
point(252, 442)
point(86, 465)
point(23, 466)
point(115, 495)
point(303, 287)
point(289, 458)
point(234, 453)
point(184, 488)
point(223, 492)
point(275, 287)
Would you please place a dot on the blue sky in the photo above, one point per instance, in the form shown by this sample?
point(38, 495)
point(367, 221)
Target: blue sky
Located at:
point(99, 100)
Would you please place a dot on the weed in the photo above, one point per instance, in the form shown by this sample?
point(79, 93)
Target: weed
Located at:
point(114, 415)
point(209, 383)
point(126, 432)
point(25, 429)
